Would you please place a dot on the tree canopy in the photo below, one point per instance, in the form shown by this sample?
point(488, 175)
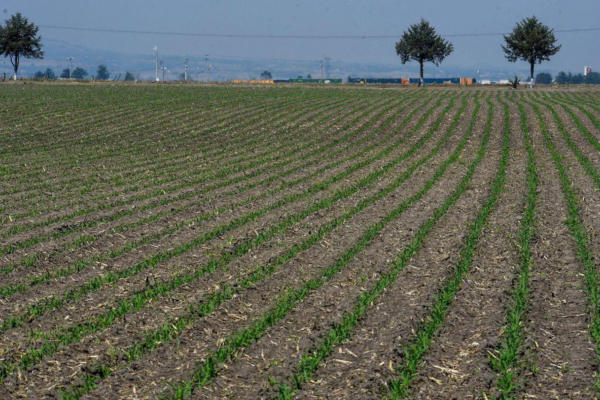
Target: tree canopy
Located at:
point(543, 78)
point(592, 78)
point(266, 75)
point(79, 73)
point(47, 74)
point(102, 72)
point(129, 76)
point(18, 38)
point(422, 44)
point(530, 41)
point(562, 78)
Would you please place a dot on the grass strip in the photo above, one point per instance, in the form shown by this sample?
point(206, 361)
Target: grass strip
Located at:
point(170, 330)
point(421, 341)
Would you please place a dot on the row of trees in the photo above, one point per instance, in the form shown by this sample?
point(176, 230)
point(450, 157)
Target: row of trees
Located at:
point(530, 41)
point(591, 78)
point(80, 73)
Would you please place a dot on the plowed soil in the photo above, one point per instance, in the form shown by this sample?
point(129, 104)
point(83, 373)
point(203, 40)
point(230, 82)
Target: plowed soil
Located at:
point(219, 243)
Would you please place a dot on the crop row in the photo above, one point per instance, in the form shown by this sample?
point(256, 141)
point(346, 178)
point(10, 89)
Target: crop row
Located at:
point(242, 248)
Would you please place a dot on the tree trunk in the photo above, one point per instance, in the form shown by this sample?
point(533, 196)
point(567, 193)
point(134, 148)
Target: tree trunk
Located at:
point(421, 69)
point(532, 67)
point(15, 64)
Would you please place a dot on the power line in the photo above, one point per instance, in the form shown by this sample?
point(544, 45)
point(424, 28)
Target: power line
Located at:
point(253, 36)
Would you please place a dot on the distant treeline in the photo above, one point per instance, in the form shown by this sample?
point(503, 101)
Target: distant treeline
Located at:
point(102, 74)
point(563, 78)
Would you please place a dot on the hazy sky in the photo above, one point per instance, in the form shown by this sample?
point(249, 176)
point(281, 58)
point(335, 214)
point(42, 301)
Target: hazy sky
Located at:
point(313, 17)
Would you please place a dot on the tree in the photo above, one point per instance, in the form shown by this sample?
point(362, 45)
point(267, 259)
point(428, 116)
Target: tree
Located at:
point(576, 79)
point(18, 38)
point(129, 77)
point(79, 73)
point(562, 78)
point(48, 74)
point(530, 41)
point(592, 78)
point(300, 77)
point(422, 44)
point(266, 75)
point(65, 74)
point(543, 78)
point(309, 76)
point(102, 73)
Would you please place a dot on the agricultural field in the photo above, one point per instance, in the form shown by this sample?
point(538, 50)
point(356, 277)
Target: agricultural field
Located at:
point(178, 242)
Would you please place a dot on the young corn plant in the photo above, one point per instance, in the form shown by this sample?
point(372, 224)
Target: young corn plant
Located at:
point(507, 362)
point(76, 332)
point(343, 331)
point(424, 334)
point(170, 330)
point(581, 237)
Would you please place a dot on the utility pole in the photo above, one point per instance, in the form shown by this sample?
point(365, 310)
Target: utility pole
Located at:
point(156, 51)
point(327, 68)
point(321, 78)
point(162, 66)
point(70, 67)
point(208, 66)
point(185, 71)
